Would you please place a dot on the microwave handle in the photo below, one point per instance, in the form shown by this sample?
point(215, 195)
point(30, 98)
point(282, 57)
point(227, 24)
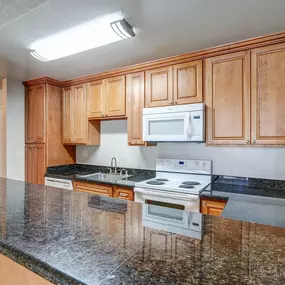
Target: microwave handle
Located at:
point(188, 126)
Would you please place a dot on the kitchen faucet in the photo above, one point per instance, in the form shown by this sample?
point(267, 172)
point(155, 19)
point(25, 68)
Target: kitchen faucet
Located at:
point(113, 159)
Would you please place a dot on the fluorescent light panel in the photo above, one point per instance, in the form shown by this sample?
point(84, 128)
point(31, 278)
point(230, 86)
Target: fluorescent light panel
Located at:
point(84, 37)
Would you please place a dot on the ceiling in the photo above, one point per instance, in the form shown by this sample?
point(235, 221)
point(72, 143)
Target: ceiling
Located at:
point(164, 28)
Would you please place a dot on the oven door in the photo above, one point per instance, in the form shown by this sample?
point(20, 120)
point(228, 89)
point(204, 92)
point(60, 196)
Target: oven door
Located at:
point(168, 208)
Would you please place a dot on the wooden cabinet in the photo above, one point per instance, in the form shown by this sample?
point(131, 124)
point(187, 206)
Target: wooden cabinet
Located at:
point(123, 193)
point(212, 207)
point(187, 82)
point(177, 84)
point(77, 130)
point(268, 95)
point(227, 89)
point(159, 87)
point(135, 105)
point(35, 114)
point(35, 163)
point(43, 131)
point(107, 98)
point(96, 99)
point(14, 273)
point(115, 99)
point(67, 116)
point(94, 188)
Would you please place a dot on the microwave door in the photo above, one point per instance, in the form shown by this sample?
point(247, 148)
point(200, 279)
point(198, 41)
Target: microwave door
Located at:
point(166, 127)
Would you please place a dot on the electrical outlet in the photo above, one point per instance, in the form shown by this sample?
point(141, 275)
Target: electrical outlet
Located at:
point(84, 153)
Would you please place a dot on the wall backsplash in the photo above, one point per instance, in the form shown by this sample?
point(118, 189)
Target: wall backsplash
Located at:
point(260, 162)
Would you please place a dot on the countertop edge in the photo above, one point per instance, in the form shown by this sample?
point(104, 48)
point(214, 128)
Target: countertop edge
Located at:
point(37, 266)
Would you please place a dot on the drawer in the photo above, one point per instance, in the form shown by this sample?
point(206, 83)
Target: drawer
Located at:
point(94, 188)
point(123, 193)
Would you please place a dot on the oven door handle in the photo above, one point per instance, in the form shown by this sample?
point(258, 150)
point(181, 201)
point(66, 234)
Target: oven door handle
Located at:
point(166, 195)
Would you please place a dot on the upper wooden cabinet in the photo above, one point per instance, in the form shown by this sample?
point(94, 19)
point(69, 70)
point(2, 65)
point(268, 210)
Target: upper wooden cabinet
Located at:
point(227, 92)
point(76, 128)
point(187, 82)
point(177, 84)
point(115, 104)
point(268, 95)
point(80, 115)
point(95, 99)
point(135, 105)
point(36, 114)
point(107, 98)
point(159, 87)
point(67, 116)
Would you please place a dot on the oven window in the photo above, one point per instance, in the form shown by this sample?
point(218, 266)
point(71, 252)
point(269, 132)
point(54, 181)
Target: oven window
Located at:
point(166, 127)
point(165, 210)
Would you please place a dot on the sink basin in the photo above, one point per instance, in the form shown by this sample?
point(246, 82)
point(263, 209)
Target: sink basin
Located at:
point(105, 176)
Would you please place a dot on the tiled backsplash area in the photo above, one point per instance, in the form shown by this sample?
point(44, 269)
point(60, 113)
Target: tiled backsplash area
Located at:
point(261, 162)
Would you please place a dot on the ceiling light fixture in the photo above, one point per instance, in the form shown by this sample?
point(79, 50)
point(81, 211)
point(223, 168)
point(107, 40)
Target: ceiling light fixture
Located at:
point(98, 32)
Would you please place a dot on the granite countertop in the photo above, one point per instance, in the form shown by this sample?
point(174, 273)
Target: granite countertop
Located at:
point(80, 172)
point(71, 237)
point(253, 200)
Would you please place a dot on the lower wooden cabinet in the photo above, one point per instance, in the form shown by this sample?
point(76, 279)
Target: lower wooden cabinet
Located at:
point(212, 207)
point(35, 163)
point(123, 193)
point(14, 273)
point(94, 188)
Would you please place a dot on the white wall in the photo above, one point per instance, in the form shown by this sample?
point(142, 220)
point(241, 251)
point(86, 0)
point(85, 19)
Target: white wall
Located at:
point(15, 130)
point(258, 162)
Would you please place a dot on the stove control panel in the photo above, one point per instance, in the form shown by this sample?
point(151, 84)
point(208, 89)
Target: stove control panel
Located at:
point(187, 166)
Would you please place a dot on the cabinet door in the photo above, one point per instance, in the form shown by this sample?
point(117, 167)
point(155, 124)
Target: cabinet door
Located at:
point(159, 87)
point(41, 113)
point(187, 82)
point(31, 163)
point(80, 115)
point(115, 99)
point(123, 193)
point(227, 89)
point(35, 114)
point(212, 207)
point(95, 91)
point(41, 163)
point(268, 95)
point(94, 188)
point(67, 116)
point(135, 105)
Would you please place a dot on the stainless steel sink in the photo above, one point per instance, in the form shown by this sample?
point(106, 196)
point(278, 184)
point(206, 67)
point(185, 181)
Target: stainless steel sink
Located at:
point(106, 176)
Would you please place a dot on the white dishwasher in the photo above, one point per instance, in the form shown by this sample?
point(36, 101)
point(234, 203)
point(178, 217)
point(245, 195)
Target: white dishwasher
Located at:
point(59, 183)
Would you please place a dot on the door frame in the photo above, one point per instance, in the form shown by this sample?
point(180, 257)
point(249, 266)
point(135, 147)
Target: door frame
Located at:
point(3, 120)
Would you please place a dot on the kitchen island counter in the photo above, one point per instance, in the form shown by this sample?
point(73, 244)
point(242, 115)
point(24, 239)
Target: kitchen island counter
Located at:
point(60, 236)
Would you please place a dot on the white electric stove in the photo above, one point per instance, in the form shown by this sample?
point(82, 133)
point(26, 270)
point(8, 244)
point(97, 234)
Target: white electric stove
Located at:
point(176, 187)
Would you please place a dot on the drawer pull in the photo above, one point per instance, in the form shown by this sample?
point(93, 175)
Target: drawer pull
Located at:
point(124, 195)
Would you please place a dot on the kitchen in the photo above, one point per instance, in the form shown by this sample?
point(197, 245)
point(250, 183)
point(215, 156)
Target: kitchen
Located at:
point(142, 150)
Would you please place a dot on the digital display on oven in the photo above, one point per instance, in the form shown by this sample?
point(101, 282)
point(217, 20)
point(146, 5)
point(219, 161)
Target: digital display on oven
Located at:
point(181, 162)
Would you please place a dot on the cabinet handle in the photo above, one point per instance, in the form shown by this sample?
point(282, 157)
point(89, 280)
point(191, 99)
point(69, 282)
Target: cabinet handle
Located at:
point(204, 203)
point(247, 141)
point(254, 141)
point(124, 195)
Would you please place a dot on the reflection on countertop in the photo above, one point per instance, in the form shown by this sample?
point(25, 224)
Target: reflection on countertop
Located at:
point(60, 236)
point(248, 199)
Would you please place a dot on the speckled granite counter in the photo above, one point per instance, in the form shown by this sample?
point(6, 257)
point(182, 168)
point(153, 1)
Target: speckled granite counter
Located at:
point(253, 200)
point(55, 233)
point(75, 172)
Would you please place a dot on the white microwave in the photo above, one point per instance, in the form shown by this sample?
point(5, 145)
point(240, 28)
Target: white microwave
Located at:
point(184, 123)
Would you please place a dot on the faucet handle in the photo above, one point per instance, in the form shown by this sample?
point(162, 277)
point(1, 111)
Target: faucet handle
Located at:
point(124, 170)
point(110, 170)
